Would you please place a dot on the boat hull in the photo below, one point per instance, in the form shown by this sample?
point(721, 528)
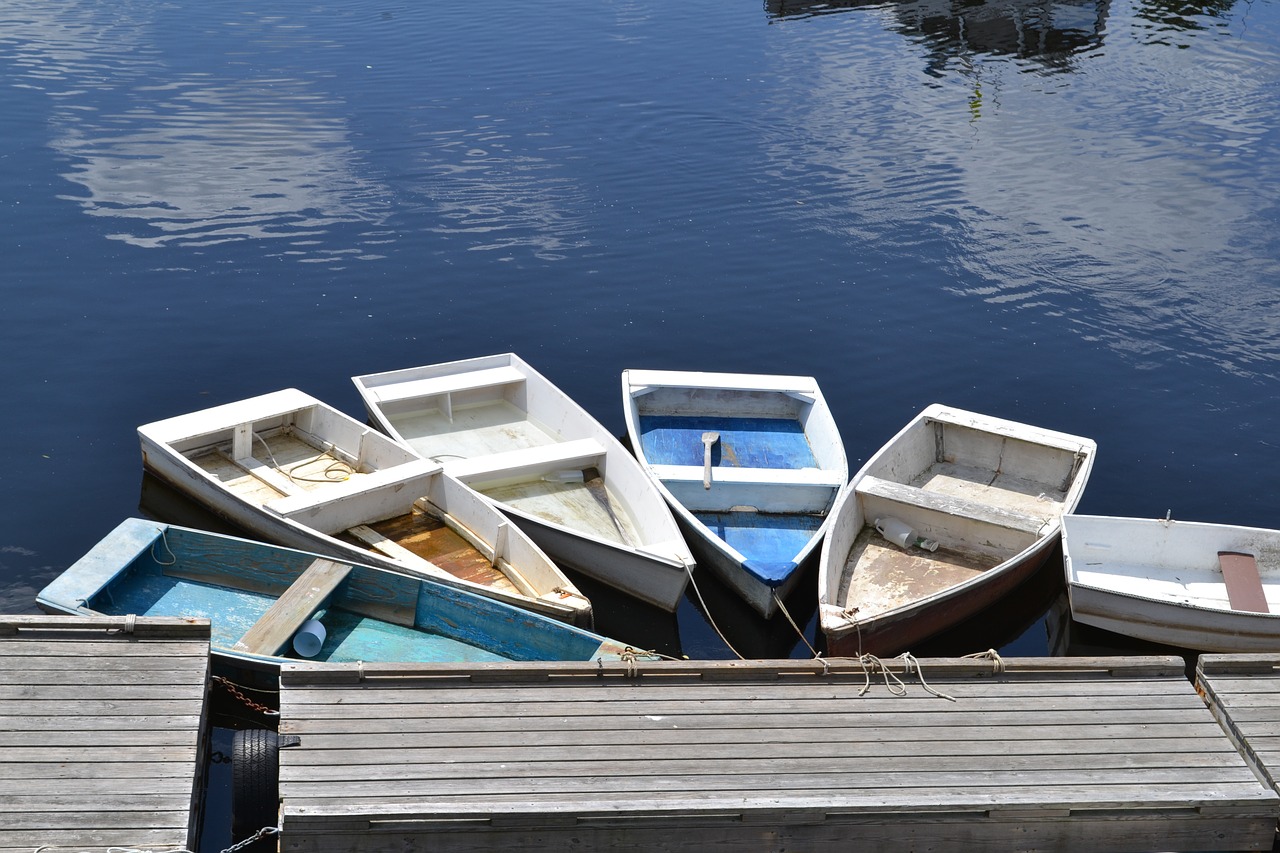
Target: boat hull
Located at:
point(953, 514)
point(1159, 581)
point(905, 629)
point(410, 479)
point(712, 557)
point(373, 615)
point(651, 579)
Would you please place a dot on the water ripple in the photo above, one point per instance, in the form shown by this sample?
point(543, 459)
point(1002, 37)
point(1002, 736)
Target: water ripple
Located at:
point(1140, 202)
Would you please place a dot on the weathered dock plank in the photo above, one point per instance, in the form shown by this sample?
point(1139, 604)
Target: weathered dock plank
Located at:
point(1243, 691)
point(102, 729)
point(1100, 754)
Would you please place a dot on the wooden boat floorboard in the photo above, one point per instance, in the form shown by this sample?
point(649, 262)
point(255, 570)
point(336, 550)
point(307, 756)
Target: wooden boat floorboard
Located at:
point(433, 540)
point(879, 577)
point(585, 505)
point(304, 467)
point(474, 430)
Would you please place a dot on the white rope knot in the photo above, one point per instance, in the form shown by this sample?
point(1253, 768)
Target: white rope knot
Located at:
point(997, 662)
point(359, 670)
point(126, 627)
point(629, 658)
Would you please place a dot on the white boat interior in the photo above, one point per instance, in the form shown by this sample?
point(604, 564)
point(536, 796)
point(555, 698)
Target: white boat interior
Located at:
point(479, 424)
point(983, 490)
point(1170, 561)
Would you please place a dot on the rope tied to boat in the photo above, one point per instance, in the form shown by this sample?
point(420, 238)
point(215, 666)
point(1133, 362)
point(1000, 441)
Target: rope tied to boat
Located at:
point(997, 662)
point(629, 658)
point(126, 627)
point(706, 611)
point(782, 608)
point(173, 558)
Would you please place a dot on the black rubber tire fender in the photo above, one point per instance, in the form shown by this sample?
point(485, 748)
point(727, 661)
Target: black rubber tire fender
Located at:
point(255, 781)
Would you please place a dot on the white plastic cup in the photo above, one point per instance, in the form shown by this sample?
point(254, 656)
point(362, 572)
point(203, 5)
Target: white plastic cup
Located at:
point(309, 639)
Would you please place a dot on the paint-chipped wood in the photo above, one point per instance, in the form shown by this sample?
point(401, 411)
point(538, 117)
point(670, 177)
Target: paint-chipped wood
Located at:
point(432, 540)
point(1243, 691)
point(295, 606)
point(1106, 754)
point(102, 729)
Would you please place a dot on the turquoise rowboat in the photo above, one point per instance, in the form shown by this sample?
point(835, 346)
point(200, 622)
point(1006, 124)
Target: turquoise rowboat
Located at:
point(268, 605)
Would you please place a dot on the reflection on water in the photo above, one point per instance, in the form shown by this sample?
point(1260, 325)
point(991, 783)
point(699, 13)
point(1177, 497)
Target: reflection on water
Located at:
point(201, 158)
point(494, 185)
point(906, 197)
point(197, 163)
point(1047, 31)
point(1135, 196)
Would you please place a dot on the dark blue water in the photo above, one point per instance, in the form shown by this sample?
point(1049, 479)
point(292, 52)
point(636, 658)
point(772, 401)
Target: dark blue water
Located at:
point(1065, 213)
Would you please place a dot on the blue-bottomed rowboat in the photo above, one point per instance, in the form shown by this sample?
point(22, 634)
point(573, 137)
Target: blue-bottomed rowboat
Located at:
point(750, 465)
point(259, 598)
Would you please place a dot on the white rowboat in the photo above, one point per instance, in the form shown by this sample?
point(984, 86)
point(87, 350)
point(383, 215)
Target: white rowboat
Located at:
point(970, 507)
point(1194, 585)
point(750, 465)
point(299, 473)
point(506, 431)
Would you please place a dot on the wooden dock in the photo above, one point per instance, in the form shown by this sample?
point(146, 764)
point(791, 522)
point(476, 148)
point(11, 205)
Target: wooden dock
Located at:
point(1243, 692)
point(102, 729)
point(1097, 754)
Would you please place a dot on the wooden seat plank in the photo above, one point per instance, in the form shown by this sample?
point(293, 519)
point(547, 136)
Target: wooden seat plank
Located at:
point(305, 596)
point(950, 505)
point(1244, 586)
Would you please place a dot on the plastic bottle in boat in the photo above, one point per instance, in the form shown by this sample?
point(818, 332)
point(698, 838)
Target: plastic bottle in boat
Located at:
point(902, 534)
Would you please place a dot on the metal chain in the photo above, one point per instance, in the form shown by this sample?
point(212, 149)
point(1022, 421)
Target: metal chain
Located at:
point(257, 836)
point(234, 691)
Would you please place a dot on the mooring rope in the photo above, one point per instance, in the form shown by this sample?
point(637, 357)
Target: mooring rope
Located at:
point(707, 611)
point(872, 664)
point(783, 609)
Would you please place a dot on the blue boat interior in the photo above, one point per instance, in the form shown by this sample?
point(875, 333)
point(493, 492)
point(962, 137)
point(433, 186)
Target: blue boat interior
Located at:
point(769, 541)
point(372, 616)
point(744, 442)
